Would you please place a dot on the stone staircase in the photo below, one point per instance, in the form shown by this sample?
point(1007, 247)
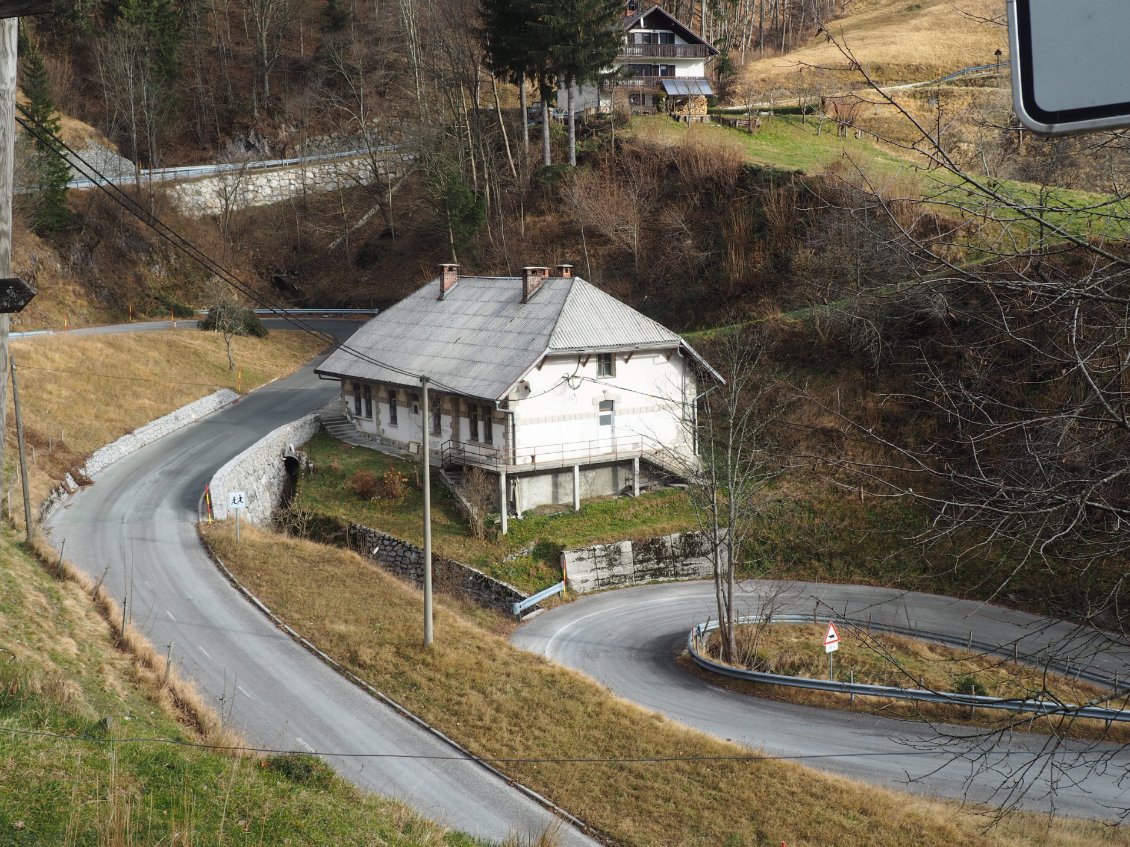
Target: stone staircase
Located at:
point(338, 425)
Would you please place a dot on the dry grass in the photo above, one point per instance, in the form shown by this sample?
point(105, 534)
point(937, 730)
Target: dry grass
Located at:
point(883, 659)
point(598, 752)
point(80, 393)
point(895, 42)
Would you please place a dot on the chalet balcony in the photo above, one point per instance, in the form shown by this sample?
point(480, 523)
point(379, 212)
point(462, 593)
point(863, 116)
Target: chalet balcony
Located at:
point(663, 51)
point(546, 457)
point(644, 82)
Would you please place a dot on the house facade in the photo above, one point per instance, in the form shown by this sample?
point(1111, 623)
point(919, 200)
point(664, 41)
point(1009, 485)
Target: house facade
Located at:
point(660, 59)
point(556, 389)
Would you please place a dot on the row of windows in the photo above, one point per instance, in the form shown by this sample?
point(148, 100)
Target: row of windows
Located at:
point(478, 416)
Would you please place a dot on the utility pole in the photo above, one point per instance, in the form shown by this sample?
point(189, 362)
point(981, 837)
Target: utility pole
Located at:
point(8, 30)
point(9, 26)
point(425, 457)
point(23, 452)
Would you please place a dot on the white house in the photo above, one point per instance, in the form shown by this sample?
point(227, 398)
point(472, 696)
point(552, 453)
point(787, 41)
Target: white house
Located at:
point(557, 388)
point(659, 57)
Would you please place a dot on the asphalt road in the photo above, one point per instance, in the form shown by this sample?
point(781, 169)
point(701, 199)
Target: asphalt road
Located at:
point(135, 529)
point(628, 640)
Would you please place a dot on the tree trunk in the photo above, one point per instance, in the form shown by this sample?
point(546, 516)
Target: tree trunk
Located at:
point(572, 127)
point(525, 105)
point(546, 153)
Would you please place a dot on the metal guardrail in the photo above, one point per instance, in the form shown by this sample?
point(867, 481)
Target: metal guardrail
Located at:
point(1035, 706)
point(534, 599)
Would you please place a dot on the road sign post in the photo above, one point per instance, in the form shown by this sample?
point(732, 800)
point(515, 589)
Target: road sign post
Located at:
point(831, 645)
point(237, 501)
point(1070, 64)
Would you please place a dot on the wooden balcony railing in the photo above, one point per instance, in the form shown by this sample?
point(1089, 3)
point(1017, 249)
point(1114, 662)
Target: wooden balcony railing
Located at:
point(663, 51)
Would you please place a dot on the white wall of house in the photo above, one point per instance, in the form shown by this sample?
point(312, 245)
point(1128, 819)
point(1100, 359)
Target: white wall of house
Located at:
point(651, 395)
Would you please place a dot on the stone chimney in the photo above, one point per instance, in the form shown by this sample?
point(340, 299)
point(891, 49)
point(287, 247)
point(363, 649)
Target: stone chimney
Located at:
point(448, 276)
point(563, 270)
point(532, 278)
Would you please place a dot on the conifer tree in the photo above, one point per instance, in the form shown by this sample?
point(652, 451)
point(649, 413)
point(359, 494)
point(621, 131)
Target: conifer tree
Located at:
point(51, 173)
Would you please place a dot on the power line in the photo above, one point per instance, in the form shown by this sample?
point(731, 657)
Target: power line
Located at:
point(494, 760)
point(122, 198)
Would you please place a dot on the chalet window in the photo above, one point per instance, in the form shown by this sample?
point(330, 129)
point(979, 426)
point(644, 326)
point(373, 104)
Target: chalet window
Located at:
point(607, 410)
point(357, 399)
point(473, 420)
point(605, 366)
point(437, 416)
point(367, 396)
point(415, 404)
point(392, 407)
point(666, 70)
point(488, 426)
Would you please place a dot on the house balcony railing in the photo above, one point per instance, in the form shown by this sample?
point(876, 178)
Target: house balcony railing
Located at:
point(663, 51)
point(544, 457)
point(638, 82)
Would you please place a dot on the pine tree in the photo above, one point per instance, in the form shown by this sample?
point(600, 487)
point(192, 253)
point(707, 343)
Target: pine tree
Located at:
point(51, 173)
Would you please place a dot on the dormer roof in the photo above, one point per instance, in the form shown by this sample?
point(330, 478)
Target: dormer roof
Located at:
point(658, 18)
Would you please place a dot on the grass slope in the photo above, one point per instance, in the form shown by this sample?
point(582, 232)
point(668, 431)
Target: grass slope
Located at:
point(896, 41)
point(638, 777)
point(75, 768)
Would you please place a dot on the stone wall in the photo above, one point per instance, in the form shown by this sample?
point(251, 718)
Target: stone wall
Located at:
point(143, 435)
point(259, 472)
point(679, 556)
point(235, 190)
point(407, 561)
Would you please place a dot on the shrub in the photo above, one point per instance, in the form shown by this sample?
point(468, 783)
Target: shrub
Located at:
point(363, 484)
point(301, 769)
point(233, 319)
point(392, 485)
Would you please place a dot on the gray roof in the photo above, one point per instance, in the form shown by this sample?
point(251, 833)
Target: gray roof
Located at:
point(481, 338)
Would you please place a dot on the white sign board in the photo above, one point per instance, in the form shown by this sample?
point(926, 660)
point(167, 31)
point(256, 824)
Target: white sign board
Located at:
point(236, 500)
point(1070, 64)
point(832, 639)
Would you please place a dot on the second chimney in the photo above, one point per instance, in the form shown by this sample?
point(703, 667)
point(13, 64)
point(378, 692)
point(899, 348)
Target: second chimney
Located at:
point(565, 271)
point(448, 276)
point(532, 278)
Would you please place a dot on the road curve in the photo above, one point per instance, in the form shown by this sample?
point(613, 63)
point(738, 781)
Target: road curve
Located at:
point(135, 529)
point(628, 640)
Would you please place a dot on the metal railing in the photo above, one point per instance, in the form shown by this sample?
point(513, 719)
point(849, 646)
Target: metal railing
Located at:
point(521, 606)
point(663, 51)
point(639, 81)
point(1027, 705)
point(531, 458)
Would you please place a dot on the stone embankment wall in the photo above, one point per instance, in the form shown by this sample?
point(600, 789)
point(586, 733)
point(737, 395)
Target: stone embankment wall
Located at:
point(683, 555)
point(215, 195)
point(103, 457)
point(259, 472)
point(407, 561)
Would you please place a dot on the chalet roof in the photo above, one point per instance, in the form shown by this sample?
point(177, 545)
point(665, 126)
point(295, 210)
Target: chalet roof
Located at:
point(656, 17)
point(481, 338)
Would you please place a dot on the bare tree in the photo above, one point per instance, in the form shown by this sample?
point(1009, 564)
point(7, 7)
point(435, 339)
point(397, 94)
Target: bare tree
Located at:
point(267, 23)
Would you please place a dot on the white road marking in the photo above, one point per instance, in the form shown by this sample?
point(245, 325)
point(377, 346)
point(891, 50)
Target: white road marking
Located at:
point(202, 650)
point(170, 614)
point(304, 744)
point(243, 691)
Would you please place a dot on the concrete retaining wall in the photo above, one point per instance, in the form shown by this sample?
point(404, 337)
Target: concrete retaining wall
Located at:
point(259, 472)
point(683, 555)
point(407, 561)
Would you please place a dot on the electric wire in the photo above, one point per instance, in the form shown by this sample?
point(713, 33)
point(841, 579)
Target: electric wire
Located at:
point(122, 198)
point(503, 760)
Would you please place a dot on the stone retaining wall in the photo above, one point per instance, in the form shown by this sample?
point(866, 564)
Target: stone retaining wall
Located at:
point(407, 561)
point(683, 555)
point(235, 190)
point(259, 472)
point(103, 457)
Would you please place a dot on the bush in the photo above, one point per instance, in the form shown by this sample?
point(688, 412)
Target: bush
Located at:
point(363, 484)
point(392, 485)
point(301, 769)
point(172, 306)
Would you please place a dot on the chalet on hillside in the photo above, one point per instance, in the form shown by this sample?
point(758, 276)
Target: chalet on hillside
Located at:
point(660, 58)
point(554, 387)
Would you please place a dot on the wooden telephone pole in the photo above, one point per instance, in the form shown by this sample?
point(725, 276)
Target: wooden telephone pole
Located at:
point(10, 10)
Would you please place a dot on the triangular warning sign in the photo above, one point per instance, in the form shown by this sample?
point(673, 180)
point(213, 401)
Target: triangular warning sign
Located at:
point(833, 637)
